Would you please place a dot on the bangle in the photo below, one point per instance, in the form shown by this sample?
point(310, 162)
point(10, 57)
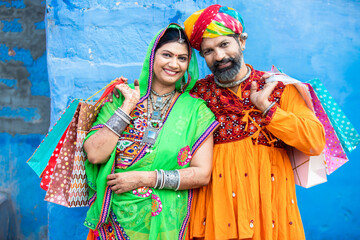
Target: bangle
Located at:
point(158, 179)
point(116, 124)
point(178, 185)
point(162, 178)
point(123, 115)
point(268, 108)
point(171, 179)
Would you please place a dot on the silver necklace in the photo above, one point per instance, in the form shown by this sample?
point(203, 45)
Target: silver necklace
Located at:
point(164, 95)
point(155, 120)
point(159, 104)
point(235, 83)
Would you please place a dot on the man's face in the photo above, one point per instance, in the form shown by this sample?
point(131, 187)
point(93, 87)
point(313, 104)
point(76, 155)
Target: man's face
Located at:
point(223, 56)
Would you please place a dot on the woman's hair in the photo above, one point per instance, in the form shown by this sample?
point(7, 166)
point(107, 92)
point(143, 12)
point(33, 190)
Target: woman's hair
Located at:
point(173, 35)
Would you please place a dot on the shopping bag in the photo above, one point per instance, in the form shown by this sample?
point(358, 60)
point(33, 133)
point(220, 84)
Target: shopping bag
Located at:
point(42, 155)
point(333, 151)
point(308, 170)
point(78, 193)
point(49, 170)
point(345, 131)
point(340, 134)
point(68, 183)
point(40, 158)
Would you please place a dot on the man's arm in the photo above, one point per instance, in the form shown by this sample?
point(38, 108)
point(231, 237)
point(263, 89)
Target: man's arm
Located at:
point(296, 125)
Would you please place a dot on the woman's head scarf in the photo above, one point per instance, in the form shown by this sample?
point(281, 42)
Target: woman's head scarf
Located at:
point(211, 22)
point(184, 84)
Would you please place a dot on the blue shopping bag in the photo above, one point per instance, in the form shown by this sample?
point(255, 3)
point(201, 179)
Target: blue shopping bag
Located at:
point(42, 154)
point(345, 131)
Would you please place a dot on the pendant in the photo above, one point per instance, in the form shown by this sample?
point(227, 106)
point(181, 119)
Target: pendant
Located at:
point(150, 136)
point(155, 116)
point(158, 103)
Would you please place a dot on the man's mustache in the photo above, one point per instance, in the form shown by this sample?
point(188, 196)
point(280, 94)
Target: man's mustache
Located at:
point(223, 61)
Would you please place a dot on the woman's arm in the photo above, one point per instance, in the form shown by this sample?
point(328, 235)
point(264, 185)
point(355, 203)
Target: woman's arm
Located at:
point(101, 144)
point(199, 172)
point(196, 175)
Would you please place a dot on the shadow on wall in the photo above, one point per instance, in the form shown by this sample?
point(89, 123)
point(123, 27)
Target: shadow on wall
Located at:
point(8, 226)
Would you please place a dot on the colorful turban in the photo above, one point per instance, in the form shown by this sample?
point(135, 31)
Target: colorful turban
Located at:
point(211, 22)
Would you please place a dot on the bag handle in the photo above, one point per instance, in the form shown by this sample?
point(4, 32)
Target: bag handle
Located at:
point(109, 88)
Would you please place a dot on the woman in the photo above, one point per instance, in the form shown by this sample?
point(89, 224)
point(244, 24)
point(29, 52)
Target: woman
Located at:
point(150, 145)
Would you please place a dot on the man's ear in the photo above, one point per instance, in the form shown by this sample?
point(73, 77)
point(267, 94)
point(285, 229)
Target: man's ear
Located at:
point(242, 43)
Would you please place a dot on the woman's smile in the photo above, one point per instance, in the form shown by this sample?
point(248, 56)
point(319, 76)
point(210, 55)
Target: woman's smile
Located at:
point(170, 72)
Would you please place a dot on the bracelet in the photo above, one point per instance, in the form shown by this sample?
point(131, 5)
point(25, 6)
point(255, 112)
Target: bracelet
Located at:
point(168, 179)
point(171, 179)
point(178, 185)
point(162, 179)
point(111, 129)
point(268, 108)
point(123, 115)
point(116, 124)
point(158, 179)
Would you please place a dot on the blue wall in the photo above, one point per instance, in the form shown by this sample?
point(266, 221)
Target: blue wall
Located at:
point(91, 42)
point(24, 116)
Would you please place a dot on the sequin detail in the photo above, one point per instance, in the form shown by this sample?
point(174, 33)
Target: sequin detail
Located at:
point(156, 205)
point(142, 192)
point(184, 156)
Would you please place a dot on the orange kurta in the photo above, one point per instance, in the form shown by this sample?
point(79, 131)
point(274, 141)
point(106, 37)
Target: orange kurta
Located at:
point(252, 191)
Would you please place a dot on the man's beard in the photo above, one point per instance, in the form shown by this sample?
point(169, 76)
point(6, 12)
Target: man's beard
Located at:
point(227, 74)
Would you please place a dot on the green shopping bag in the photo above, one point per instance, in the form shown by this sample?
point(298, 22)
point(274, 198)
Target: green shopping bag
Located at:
point(42, 154)
point(345, 131)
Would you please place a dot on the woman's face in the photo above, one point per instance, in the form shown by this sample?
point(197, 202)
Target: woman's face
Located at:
point(171, 63)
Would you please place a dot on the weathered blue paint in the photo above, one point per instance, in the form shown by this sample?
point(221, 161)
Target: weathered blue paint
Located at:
point(22, 185)
point(13, 4)
point(20, 54)
point(38, 72)
point(92, 42)
point(28, 114)
point(11, 26)
point(40, 25)
point(24, 118)
point(8, 82)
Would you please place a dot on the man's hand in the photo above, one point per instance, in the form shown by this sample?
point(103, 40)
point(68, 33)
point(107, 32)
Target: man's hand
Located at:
point(265, 76)
point(261, 98)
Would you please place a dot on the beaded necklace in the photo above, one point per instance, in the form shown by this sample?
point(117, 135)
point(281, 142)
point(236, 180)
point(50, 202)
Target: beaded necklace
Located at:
point(155, 119)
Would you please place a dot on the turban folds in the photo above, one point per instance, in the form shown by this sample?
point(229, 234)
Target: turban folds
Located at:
point(211, 22)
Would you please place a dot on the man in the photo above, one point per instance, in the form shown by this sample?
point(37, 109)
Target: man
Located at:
point(252, 191)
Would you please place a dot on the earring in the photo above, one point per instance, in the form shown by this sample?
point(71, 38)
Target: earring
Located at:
point(244, 36)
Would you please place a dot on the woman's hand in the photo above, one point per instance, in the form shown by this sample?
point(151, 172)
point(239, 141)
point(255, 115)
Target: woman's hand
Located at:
point(132, 96)
point(127, 181)
point(115, 92)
